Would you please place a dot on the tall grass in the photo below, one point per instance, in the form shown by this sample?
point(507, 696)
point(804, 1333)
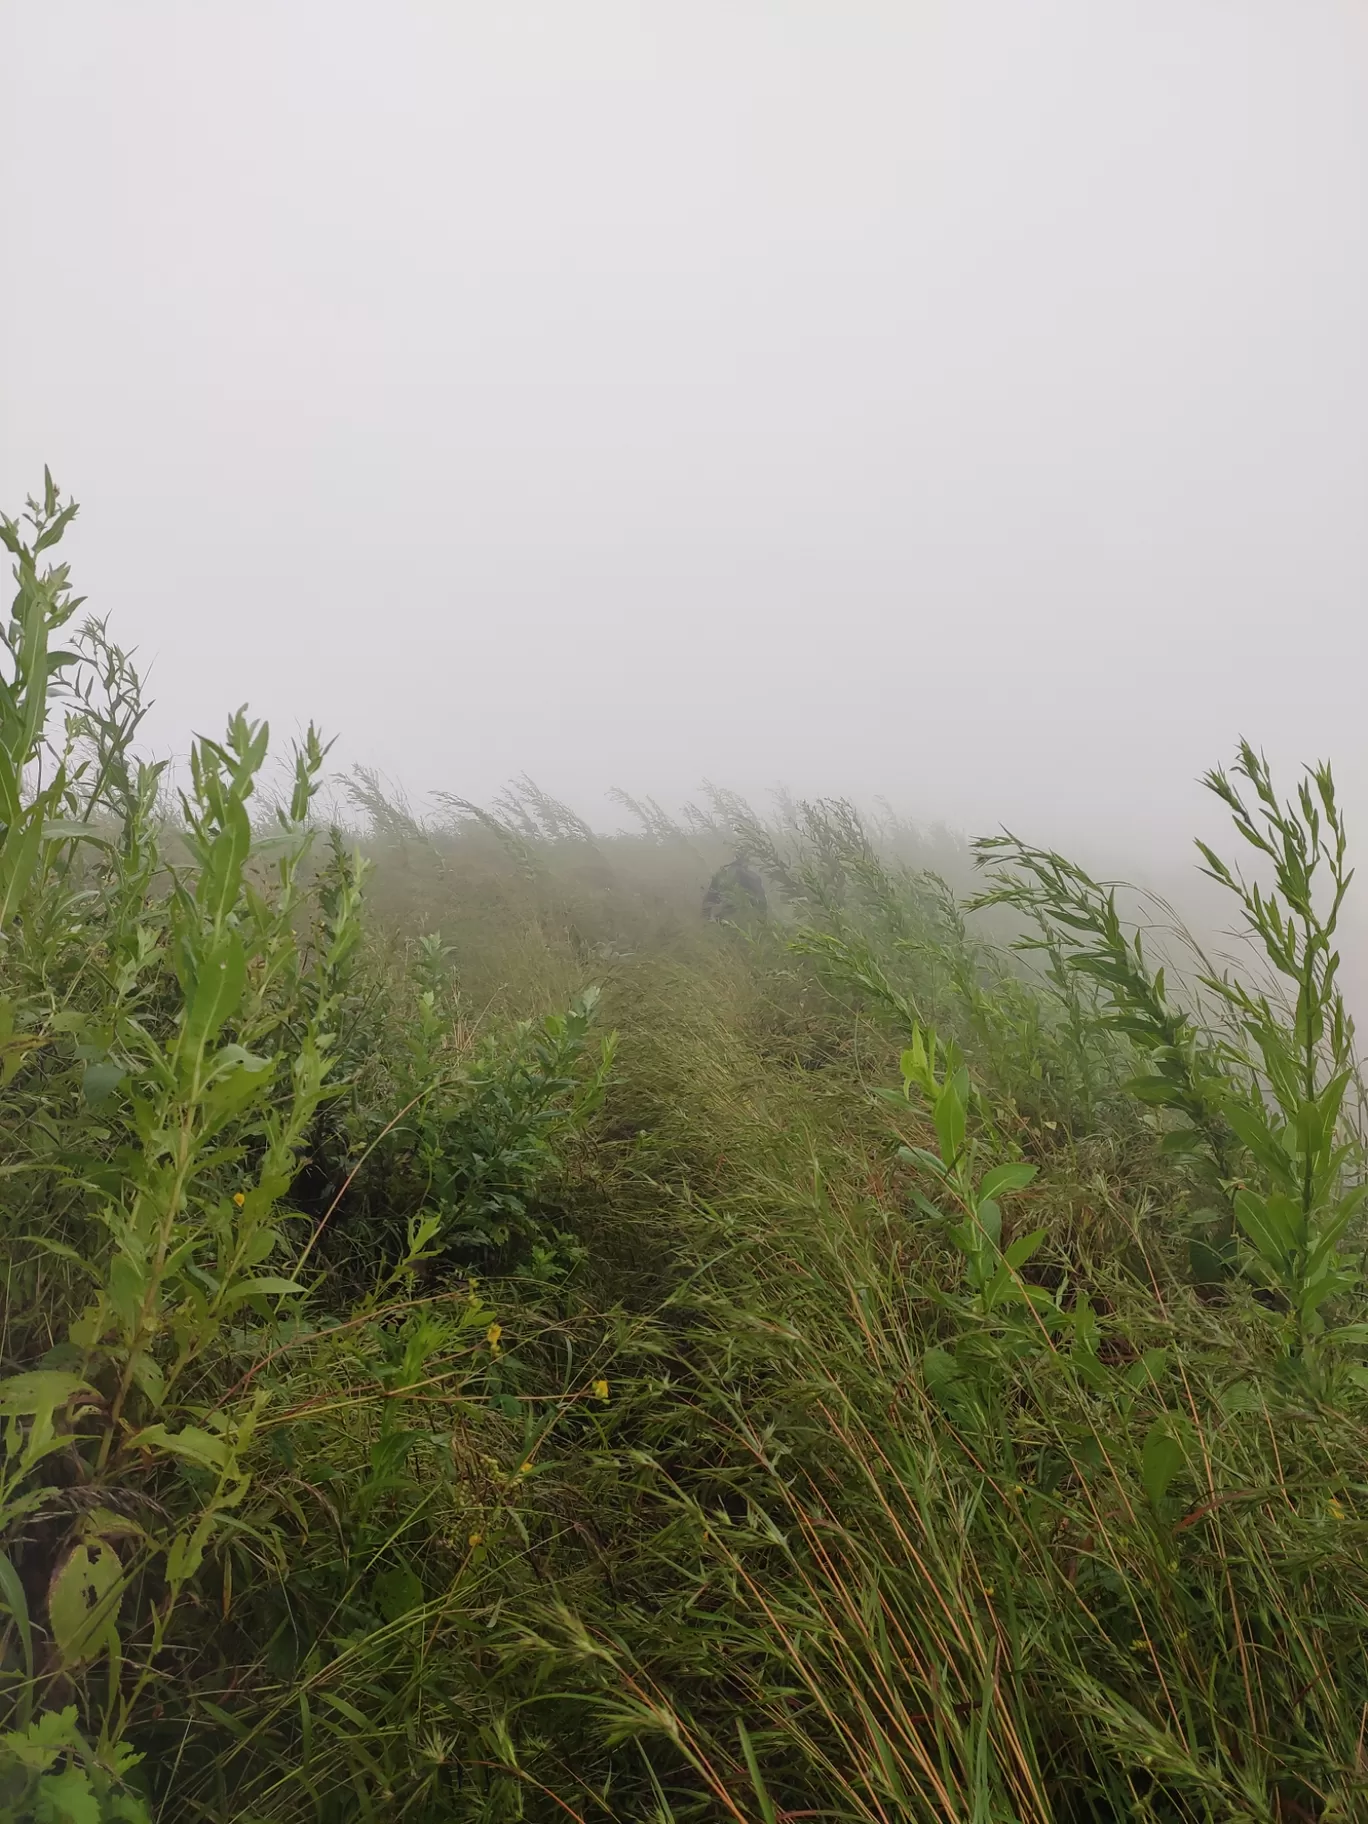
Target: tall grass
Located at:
point(481, 1341)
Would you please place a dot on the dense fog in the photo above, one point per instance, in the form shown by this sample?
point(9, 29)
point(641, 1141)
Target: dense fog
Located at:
point(963, 403)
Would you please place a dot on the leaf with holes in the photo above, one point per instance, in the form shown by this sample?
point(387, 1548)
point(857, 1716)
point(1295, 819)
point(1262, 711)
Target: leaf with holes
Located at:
point(39, 1390)
point(83, 1599)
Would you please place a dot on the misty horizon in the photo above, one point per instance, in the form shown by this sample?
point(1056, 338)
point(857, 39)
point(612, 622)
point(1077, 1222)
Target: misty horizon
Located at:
point(960, 406)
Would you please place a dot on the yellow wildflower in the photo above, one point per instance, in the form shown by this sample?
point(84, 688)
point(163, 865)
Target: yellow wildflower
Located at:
point(601, 1391)
point(476, 1539)
point(492, 1335)
point(1336, 1508)
point(239, 1199)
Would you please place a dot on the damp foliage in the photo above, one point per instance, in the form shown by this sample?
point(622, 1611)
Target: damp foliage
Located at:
point(482, 1340)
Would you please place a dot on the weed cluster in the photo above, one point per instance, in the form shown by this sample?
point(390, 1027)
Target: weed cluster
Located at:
point(482, 1341)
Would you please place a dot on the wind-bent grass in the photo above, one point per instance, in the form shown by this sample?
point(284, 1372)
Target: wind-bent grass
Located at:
point(892, 1378)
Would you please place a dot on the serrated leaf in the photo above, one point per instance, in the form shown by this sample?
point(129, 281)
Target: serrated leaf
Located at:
point(66, 1798)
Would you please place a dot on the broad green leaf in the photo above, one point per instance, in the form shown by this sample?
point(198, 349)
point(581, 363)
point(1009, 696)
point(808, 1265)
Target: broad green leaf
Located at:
point(125, 1283)
point(896, 1097)
point(1001, 1289)
point(66, 1798)
point(267, 1285)
point(235, 1077)
point(941, 1369)
point(1156, 1090)
point(1242, 1397)
point(990, 1219)
point(39, 1390)
point(221, 880)
point(217, 994)
point(185, 1555)
point(195, 1445)
point(1268, 1222)
point(1161, 1458)
point(950, 1115)
point(1020, 1251)
point(1014, 1176)
point(1255, 1132)
point(99, 1081)
point(1148, 1369)
point(106, 1523)
point(70, 829)
point(1210, 1262)
point(398, 1592)
point(1179, 1140)
point(918, 1155)
point(18, 858)
point(82, 1599)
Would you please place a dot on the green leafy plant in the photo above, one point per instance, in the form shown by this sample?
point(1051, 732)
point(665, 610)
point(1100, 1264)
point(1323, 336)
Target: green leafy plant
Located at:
point(1307, 1183)
point(1186, 1070)
point(478, 1140)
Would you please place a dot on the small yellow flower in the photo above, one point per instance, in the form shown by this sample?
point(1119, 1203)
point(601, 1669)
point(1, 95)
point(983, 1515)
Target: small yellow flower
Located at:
point(1018, 1488)
point(1336, 1508)
point(492, 1335)
point(476, 1539)
point(987, 1589)
point(601, 1391)
point(239, 1199)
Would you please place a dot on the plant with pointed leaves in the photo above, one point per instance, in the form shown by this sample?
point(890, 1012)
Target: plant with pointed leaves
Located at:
point(1307, 1184)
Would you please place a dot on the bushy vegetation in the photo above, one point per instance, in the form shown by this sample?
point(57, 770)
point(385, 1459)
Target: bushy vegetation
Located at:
point(482, 1342)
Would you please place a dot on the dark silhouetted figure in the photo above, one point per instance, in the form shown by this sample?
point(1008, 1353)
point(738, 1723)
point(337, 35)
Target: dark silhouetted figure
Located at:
point(736, 891)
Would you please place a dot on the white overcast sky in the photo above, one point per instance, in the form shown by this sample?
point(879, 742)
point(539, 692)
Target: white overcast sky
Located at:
point(962, 401)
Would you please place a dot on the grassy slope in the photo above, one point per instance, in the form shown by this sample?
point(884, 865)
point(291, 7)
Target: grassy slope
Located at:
point(414, 1410)
point(802, 1581)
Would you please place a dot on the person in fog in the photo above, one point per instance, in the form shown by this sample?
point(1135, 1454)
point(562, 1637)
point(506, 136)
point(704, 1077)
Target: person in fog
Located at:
point(736, 891)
